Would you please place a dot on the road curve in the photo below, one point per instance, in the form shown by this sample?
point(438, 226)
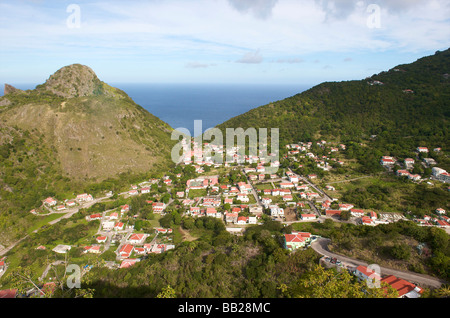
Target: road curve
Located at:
point(321, 247)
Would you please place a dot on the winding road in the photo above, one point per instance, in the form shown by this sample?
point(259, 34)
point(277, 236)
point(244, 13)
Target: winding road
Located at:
point(321, 247)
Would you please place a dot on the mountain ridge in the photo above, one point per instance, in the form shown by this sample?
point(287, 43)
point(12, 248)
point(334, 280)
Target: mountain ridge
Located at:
point(409, 100)
point(71, 136)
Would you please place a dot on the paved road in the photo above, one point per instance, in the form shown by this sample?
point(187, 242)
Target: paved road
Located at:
point(67, 214)
point(321, 247)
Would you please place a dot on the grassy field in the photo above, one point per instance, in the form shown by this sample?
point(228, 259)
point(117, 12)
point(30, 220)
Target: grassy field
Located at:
point(263, 186)
point(41, 221)
point(197, 193)
point(387, 193)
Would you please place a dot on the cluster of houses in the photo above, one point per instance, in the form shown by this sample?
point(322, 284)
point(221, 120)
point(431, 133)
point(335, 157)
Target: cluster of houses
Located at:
point(439, 220)
point(322, 162)
point(52, 203)
point(408, 163)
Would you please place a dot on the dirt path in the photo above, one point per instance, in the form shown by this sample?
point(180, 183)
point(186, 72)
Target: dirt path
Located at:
point(186, 235)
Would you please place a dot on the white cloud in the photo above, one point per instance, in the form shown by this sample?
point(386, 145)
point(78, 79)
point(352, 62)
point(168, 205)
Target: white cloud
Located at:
point(198, 65)
point(259, 8)
point(206, 32)
point(251, 58)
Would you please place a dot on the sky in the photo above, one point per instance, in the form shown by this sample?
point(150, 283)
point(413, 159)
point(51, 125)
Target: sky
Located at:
point(218, 41)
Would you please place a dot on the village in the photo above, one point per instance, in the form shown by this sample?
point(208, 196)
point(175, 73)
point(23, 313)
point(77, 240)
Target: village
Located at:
point(258, 194)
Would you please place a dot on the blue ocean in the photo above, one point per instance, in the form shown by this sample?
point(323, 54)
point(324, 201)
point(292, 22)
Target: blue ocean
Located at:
point(180, 104)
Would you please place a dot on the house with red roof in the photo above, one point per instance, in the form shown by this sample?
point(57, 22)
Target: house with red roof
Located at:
point(231, 217)
point(364, 273)
point(180, 194)
point(133, 192)
point(387, 161)
point(118, 226)
point(92, 249)
point(242, 220)
point(85, 197)
point(365, 220)
point(345, 206)
point(60, 207)
point(357, 212)
point(71, 203)
point(92, 217)
point(158, 207)
point(404, 288)
point(422, 149)
point(50, 201)
point(101, 239)
point(333, 212)
point(442, 223)
point(137, 238)
point(126, 250)
point(286, 185)
point(128, 262)
point(294, 241)
point(307, 217)
point(244, 187)
point(145, 190)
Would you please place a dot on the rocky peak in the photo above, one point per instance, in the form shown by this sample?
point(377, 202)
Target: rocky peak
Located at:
point(10, 89)
point(74, 80)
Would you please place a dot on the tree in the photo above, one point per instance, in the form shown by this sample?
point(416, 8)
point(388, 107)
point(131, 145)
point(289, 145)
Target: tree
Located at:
point(167, 292)
point(329, 283)
point(400, 251)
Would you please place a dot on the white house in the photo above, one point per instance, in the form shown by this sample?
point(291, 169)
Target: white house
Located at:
point(307, 217)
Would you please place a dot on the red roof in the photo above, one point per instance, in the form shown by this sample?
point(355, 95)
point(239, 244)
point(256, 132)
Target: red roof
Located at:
point(367, 272)
point(294, 238)
point(127, 249)
point(136, 237)
point(8, 293)
point(333, 212)
point(402, 286)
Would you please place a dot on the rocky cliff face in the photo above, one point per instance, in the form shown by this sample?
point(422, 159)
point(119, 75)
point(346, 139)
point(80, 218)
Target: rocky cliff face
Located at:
point(10, 89)
point(76, 80)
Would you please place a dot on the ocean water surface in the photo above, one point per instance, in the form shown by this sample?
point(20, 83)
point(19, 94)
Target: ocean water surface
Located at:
point(180, 104)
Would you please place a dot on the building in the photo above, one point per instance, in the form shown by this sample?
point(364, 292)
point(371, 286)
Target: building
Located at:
point(50, 201)
point(356, 212)
point(137, 238)
point(307, 217)
point(333, 212)
point(296, 239)
point(422, 149)
point(364, 273)
point(387, 161)
point(404, 288)
point(293, 241)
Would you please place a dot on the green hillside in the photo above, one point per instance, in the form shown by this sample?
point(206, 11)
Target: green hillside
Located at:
point(71, 132)
point(353, 111)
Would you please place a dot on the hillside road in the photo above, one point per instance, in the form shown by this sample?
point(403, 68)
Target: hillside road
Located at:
point(321, 247)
